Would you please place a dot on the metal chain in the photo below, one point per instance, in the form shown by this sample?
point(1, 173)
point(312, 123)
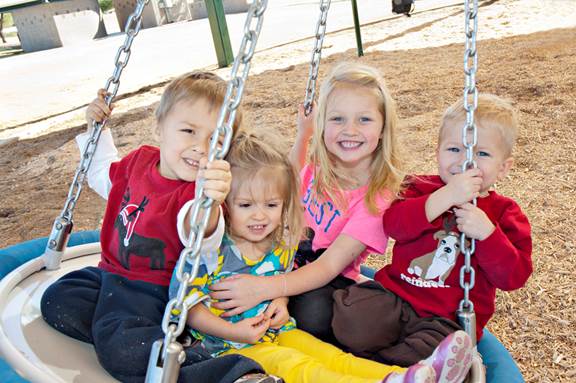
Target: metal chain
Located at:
point(63, 223)
point(173, 324)
point(316, 54)
point(469, 139)
point(465, 314)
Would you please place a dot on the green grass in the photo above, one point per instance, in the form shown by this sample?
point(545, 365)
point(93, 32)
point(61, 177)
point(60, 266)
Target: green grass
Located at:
point(105, 5)
point(8, 22)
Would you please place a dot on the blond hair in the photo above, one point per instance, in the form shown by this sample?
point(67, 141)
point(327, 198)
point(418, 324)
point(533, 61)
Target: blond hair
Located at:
point(192, 87)
point(385, 168)
point(254, 152)
point(492, 111)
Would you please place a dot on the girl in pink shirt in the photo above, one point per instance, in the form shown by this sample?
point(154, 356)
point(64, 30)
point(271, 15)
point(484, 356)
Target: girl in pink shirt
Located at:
point(350, 179)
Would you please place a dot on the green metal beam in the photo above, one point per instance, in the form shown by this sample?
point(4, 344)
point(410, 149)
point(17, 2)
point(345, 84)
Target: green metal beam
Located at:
point(220, 35)
point(357, 28)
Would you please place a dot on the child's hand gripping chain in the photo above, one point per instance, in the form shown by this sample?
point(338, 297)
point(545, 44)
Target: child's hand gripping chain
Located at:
point(98, 110)
point(464, 187)
point(473, 222)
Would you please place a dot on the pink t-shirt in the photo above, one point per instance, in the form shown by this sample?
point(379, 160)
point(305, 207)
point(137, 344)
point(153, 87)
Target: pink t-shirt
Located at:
point(328, 222)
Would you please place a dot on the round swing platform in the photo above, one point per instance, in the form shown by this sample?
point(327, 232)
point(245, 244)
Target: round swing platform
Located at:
point(32, 351)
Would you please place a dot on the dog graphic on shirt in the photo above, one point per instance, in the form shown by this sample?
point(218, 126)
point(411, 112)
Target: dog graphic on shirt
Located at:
point(439, 263)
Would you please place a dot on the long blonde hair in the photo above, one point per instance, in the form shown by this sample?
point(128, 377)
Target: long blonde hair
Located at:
point(252, 152)
point(385, 168)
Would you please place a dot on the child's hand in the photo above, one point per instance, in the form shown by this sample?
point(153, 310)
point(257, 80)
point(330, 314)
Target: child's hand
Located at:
point(306, 123)
point(464, 187)
point(277, 311)
point(473, 222)
point(238, 293)
point(98, 111)
point(217, 179)
point(251, 330)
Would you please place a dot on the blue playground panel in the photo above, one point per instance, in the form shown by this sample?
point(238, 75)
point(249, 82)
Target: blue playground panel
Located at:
point(501, 368)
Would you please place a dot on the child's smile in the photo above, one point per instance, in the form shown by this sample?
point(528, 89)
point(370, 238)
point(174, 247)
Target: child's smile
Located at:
point(257, 229)
point(192, 163)
point(350, 145)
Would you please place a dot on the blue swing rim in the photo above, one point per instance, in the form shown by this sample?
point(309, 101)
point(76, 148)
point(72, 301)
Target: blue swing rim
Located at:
point(500, 366)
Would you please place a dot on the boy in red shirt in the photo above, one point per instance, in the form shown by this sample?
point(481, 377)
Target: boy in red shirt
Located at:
point(416, 308)
point(119, 305)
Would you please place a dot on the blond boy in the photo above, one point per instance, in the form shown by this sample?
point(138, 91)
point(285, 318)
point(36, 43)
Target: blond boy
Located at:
point(119, 305)
point(421, 292)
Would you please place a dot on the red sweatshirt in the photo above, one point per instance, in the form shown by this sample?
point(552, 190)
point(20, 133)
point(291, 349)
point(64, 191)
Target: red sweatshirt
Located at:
point(426, 258)
point(139, 236)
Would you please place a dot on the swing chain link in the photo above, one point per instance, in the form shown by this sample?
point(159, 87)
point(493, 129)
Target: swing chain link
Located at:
point(316, 55)
point(175, 315)
point(469, 139)
point(133, 25)
point(63, 223)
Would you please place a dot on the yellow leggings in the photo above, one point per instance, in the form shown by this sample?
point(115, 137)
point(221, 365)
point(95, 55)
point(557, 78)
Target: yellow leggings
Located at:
point(299, 357)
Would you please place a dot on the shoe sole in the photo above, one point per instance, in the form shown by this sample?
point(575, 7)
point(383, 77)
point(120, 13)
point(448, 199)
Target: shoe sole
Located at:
point(454, 358)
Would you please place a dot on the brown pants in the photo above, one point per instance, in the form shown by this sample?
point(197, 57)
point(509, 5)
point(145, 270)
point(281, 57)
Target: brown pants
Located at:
point(374, 323)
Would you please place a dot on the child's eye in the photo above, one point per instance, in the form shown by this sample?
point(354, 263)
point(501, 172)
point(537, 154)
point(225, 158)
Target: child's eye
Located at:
point(336, 119)
point(244, 205)
point(365, 119)
point(453, 149)
point(483, 154)
point(188, 131)
point(273, 205)
point(220, 140)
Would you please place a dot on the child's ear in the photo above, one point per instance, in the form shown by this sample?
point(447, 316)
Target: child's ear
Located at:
point(505, 168)
point(157, 132)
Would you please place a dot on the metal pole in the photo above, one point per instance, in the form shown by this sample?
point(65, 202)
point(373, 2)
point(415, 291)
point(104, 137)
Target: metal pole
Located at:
point(217, 19)
point(357, 29)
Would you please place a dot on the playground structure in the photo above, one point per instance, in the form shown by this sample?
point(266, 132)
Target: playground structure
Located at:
point(51, 24)
point(43, 25)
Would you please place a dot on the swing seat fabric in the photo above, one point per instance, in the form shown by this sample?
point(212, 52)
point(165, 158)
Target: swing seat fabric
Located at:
point(39, 353)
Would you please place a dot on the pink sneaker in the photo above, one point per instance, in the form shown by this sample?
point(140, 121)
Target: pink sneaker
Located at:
point(417, 373)
point(452, 358)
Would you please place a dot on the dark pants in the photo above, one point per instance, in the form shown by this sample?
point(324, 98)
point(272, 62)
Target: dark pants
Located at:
point(122, 319)
point(374, 323)
point(313, 310)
